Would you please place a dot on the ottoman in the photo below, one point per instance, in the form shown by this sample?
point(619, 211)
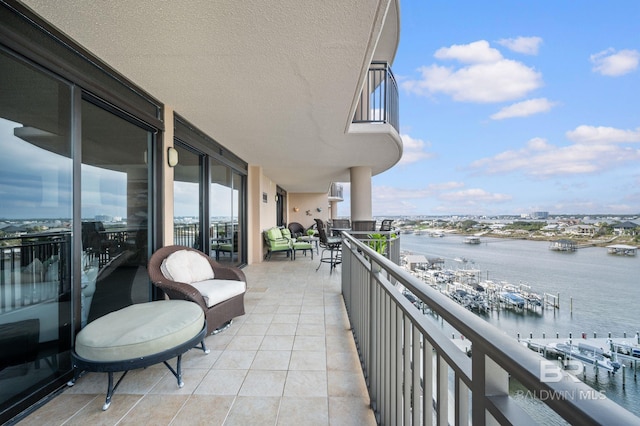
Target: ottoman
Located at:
point(138, 336)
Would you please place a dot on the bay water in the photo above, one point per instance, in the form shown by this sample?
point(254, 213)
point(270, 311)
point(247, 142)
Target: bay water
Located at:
point(598, 292)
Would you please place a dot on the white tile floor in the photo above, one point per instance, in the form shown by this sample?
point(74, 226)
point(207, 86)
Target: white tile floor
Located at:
point(290, 360)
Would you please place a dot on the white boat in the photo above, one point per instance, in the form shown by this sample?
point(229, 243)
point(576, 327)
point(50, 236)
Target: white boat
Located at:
point(512, 299)
point(472, 240)
point(592, 355)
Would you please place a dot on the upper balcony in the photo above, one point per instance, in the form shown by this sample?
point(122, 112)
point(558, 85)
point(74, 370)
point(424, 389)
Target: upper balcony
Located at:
point(336, 192)
point(379, 98)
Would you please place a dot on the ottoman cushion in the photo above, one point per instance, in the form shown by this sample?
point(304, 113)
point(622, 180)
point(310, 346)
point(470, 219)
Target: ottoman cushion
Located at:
point(140, 330)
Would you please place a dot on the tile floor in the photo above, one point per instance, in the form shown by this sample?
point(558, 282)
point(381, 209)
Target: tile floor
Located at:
point(291, 360)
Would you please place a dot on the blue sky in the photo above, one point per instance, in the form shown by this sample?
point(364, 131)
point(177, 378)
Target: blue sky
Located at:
point(510, 107)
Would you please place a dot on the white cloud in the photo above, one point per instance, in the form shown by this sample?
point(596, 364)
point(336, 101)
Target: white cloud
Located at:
point(394, 194)
point(524, 109)
point(488, 78)
point(524, 45)
point(473, 53)
point(613, 64)
point(413, 150)
point(602, 135)
point(543, 160)
point(474, 195)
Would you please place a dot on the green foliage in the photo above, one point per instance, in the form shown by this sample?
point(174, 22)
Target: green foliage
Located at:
point(526, 226)
point(468, 224)
point(379, 242)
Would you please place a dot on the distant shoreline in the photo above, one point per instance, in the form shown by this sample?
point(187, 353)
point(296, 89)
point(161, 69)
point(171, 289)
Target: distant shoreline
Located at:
point(581, 241)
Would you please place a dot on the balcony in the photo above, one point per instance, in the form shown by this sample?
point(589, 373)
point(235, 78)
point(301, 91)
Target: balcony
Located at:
point(298, 356)
point(379, 99)
point(336, 192)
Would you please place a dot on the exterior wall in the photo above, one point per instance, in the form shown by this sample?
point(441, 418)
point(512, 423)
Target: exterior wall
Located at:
point(260, 215)
point(167, 178)
point(307, 203)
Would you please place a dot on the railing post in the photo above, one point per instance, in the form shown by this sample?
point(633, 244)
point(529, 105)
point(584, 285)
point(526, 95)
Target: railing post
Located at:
point(442, 371)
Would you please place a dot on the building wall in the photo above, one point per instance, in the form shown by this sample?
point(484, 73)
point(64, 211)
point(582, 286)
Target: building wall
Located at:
point(167, 178)
point(307, 206)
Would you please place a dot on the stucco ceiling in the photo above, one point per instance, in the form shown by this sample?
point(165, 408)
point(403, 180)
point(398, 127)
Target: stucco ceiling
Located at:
point(274, 82)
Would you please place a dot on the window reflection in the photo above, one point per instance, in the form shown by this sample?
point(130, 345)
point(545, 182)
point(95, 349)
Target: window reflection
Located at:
point(35, 230)
point(186, 199)
point(225, 232)
point(115, 211)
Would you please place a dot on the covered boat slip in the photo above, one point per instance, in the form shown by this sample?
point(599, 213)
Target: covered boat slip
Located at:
point(622, 250)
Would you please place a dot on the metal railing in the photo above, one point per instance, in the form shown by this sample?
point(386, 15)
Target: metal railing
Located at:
point(417, 375)
point(336, 191)
point(379, 98)
point(33, 268)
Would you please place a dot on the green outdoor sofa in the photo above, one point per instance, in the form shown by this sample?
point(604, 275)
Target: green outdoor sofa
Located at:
point(279, 240)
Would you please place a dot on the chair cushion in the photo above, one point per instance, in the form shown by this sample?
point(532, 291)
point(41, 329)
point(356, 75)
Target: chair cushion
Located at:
point(186, 266)
point(274, 234)
point(301, 245)
point(216, 291)
point(285, 233)
point(140, 330)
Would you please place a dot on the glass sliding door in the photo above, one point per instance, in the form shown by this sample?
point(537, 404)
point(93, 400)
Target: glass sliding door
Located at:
point(187, 199)
point(226, 220)
point(237, 208)
point(35, 231)
point(115, 209)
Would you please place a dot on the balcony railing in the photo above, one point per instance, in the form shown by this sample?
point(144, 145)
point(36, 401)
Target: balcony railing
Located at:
point(379, 97)
point(336, 191)
point(417, 375)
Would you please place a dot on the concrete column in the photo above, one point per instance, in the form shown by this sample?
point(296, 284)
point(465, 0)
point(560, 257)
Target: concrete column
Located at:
point(333, 205)
point(361, 193)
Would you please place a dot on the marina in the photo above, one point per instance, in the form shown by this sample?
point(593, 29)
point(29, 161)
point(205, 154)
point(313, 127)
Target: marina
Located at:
point(586, 296)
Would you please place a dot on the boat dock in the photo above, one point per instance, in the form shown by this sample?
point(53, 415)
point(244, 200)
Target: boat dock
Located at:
point(610, 354)
point(622, 250)
point(604, 354)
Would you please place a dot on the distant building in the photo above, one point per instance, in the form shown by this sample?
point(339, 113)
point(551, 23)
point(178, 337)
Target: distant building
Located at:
point(540, 215)
point(625, 228)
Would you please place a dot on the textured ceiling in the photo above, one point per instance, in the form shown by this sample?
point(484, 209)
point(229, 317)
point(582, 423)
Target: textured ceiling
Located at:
point(274, 82)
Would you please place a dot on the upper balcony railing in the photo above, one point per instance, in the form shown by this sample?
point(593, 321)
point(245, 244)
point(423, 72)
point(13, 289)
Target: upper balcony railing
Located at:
point(416, 374)
point(379, 97)
point(336, 192)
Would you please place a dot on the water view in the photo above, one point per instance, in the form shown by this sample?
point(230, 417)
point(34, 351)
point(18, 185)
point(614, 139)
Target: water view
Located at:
point(597, 293)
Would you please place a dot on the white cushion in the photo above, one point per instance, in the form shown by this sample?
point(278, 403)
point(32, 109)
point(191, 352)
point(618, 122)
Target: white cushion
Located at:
point(216, 291)
point(186, 266)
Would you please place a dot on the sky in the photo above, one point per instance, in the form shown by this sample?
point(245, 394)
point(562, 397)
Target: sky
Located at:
point(511, 107)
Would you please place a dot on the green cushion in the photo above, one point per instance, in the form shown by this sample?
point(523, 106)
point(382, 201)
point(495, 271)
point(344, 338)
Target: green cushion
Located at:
point(301, 245)
point(140, 330)
point(285, 233)
point(274, 234)
point(280, 245)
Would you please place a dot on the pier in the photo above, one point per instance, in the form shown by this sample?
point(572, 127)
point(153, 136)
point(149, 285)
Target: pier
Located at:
point(614, 355)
